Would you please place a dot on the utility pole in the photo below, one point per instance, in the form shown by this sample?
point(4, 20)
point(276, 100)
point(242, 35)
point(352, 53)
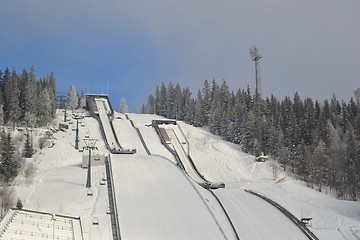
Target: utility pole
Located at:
point(255, 57)
point(77, 135)
point(62, 101)
point(90, 144)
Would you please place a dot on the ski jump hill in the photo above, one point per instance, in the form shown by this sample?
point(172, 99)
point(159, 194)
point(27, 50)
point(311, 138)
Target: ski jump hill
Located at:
point(159, 181)
point(162, 179)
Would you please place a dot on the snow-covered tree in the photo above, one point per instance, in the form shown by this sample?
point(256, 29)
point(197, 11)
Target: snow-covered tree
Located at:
point(206, 92)
point(13, 96)
point(73, 98)
point(9, 166)
point(318, 142)
point(179, 103)
point(162, 100)
point(28, 148)
point(44, 108)
point(170, 101)
point(123, 106)
point(149, 108)
point(19, 204)
point(199, 111)
point(81, 100)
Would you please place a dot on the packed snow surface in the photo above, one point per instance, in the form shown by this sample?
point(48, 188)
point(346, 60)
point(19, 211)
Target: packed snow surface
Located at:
point(157, 201)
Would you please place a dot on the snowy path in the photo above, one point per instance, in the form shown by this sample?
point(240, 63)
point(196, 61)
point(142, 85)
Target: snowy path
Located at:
point(156, 201)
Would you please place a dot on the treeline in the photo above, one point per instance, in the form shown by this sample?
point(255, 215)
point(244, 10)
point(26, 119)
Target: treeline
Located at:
point(25, 100)
point(318, 142)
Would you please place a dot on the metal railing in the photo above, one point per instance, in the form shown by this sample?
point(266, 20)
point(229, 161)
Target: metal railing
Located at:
point(115, 225)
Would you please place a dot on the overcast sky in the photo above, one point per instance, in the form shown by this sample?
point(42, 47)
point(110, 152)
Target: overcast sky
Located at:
point(127, 47)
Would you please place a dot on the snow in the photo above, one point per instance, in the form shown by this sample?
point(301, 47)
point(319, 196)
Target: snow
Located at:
point(127, 135)
point(256, 219)
point(221, 161)
point(143, 123)
point(102, 106)
point(158, 201)
point(59, 184)
point(183, 157)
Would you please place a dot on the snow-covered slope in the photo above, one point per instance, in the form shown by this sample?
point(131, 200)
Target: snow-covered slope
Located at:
point(153, 196)
point(219, 160)
point(157, 201)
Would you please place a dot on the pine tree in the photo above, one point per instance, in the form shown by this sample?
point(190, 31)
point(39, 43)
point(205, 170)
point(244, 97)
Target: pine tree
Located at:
point(170, 101)
point(143, 109)
point(149, 108)
point(162, 100)
point(44, 107)
point(29, 97)
point(14, 98)
point(199, 111)
point(123, 106)
point(73, 98)
point(179, 103)
point(206, 92)
point(29, 151)
point(351, 155)
point(215, 111)
point(157, 101)
point(189, 106)
point(6, 88)
point(81, 100)
point(9, 167)
point(53, 97)
point(19, 204)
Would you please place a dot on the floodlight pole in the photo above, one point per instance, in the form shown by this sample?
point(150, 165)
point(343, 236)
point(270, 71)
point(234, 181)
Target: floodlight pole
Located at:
point(90, 144)
point(255, 57)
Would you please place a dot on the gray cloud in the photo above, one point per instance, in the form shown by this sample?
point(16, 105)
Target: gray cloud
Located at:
point(307, 46)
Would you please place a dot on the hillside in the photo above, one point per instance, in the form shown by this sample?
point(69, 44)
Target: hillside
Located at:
point(59, 186)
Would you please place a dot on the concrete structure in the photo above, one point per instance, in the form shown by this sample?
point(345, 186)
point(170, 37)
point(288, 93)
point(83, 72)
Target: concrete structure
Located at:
point(32, 225)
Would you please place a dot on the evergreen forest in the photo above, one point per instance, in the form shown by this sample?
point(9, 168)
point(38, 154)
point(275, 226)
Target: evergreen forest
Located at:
point(26, 100)
point(317, 142)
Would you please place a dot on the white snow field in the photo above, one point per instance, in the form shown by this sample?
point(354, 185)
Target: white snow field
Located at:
point(59, 183)
point(156, 200)
point(221, 161)
point(126, 134)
